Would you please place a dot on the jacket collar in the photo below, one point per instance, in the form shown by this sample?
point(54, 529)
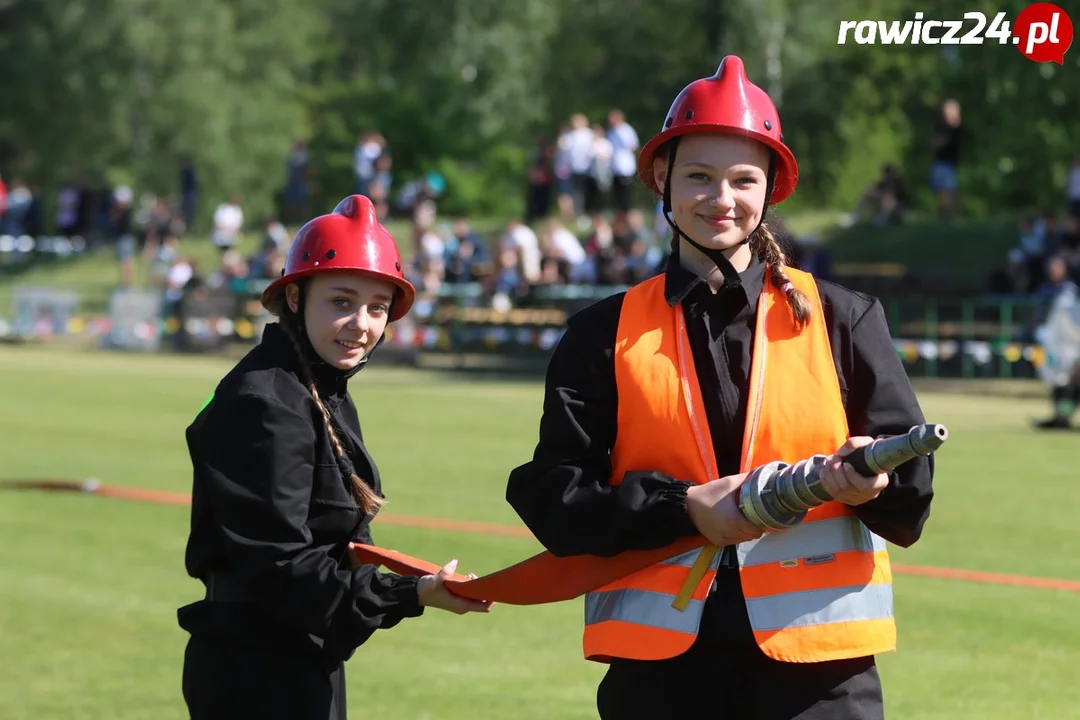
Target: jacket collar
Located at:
point(330, 381)
point(680, 282)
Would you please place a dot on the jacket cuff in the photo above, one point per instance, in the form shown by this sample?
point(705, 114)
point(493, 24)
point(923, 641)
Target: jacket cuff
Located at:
point(680, 520)
point(404, 594)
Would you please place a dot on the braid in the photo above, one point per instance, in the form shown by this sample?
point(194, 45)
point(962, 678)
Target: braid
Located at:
point(366, 498)
point(768, 249)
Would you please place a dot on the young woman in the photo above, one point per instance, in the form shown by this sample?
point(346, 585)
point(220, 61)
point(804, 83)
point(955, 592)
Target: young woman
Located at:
point(283, 483)
point(660, 400)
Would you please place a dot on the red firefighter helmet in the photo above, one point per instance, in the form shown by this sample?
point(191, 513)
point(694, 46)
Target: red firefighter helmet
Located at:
point(349, 240)
point(729, 103)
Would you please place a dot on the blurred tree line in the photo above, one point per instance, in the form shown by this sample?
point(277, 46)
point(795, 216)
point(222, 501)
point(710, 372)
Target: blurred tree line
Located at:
point(121, 90)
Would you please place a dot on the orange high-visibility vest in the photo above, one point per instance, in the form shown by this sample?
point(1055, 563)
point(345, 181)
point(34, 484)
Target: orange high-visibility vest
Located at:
point(819, 591)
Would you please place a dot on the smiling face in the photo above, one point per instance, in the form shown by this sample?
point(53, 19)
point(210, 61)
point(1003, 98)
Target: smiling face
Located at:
point(718, 185)
point(344, 314)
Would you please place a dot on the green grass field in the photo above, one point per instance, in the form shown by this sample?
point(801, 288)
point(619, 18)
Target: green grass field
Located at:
point(89, 586)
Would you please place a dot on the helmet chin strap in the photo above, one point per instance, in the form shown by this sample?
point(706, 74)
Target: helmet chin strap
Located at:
point(731, 275)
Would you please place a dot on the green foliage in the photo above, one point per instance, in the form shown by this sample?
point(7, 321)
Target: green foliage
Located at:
point(121, 91)
point(493, 187)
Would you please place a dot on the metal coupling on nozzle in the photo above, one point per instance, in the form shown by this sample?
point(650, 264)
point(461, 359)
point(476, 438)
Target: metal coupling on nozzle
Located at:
point(776, 496)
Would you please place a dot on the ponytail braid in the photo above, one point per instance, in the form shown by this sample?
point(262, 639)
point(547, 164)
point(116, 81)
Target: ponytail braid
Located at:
point(368, 500)
point(765, 246)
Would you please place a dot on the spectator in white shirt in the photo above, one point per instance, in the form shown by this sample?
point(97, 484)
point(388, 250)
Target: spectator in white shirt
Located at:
point(524, 242)
point(228, 220)
point(179, 274)
point(369, 147)
point(580, 149)
point(599, 172)
point(564, 184)
point(625, 143)
point(559, 244)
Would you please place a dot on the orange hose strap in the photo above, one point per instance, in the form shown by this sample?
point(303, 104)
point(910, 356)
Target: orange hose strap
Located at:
point(543, 578)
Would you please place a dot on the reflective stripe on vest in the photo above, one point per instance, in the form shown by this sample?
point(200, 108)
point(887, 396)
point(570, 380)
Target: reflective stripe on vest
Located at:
point(814, 607)
point(647, 607)
point(818, 591)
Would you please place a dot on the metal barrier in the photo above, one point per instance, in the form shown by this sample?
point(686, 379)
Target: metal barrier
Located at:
point(980, 337)
point(987, 336)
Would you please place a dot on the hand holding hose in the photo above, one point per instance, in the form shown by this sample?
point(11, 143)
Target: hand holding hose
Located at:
point(715, 513)
point(846, 484)
point(431, 591)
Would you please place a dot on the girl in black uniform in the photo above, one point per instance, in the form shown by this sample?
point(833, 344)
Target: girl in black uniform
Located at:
point(718, 164)
point(283, 484)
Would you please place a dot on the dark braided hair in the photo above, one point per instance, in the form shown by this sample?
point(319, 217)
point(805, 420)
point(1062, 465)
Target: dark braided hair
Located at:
point(368, 500)
point(765, 246)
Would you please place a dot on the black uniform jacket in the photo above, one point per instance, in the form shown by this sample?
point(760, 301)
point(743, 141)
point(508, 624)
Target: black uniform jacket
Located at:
point(564, 494)
point(272, 515)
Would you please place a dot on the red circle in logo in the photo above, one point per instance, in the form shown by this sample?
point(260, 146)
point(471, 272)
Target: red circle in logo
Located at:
point(1043, 32)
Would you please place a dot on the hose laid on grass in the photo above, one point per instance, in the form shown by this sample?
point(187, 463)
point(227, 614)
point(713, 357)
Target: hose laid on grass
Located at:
point(96, 487)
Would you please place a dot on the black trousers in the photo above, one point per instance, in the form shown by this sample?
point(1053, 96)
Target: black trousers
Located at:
point(223, 681)
point(725, 676)
point(247, 672)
